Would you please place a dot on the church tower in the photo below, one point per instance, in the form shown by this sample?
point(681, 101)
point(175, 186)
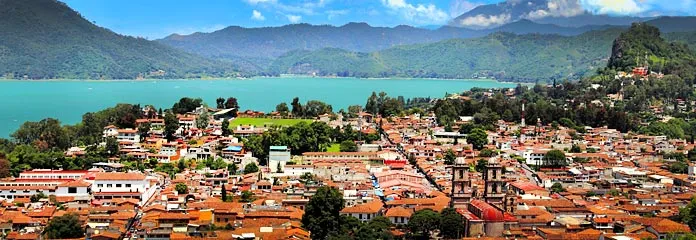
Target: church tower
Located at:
point(493, 176)
point(461, 184)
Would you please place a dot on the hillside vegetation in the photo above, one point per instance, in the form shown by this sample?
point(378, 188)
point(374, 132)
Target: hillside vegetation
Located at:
point(46, 39)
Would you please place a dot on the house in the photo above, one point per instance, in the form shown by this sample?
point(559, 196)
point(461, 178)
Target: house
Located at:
point(110, 185)
point(110, 131)
point(128, 135)
point(399, 175)
point(399, 215)
point(364, 212)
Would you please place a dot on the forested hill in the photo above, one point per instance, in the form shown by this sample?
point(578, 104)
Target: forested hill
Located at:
point(46, 39)
point(643, 43)
point(505, 56)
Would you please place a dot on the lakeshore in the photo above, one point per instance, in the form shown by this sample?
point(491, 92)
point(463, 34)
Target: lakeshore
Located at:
point(67, 100)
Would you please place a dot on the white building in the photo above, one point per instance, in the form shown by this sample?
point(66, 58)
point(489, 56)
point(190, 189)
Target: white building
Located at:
point(110, 185)
point(110, 131)
point(128, 135)
point(298, 170)
point(278, 156)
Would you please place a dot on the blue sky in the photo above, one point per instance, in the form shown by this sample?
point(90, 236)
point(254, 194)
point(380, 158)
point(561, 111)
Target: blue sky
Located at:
point(158, 18)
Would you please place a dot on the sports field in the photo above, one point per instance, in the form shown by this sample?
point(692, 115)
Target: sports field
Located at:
point(260, 122)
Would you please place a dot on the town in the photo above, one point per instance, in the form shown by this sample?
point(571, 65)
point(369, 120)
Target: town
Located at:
point(382, 172)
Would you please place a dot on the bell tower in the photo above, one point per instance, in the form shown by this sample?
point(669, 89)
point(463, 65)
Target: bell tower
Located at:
point(461, 184)
point(493, 176)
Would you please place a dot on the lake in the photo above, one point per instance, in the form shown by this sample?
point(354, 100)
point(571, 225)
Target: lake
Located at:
point(67, 100)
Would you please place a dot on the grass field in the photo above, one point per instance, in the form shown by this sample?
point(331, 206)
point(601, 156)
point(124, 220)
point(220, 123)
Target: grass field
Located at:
point(335, 147)
point(260, 122)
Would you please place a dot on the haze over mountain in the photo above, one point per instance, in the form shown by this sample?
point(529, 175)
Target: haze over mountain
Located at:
point(47, 39)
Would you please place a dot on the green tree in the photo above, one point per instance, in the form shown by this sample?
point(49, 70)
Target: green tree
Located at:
point(687, 214)
point(557, 188)
point(203, 120)
point(297, 110)
point(450, 157)
point(481, 165)
point(478, 138)
point(111, 147)
point(152, 163)
point(220, 103)
point(372, 106)
point(348, 146)
point(555, 158)
point(251, 168)
point(186, 105)
point(223, 193)
point(575, 149)
point(282, 108)
point(37, 197)
point(181, 165)
point(181, 188)
point(4, 166)
point(247, 196)
point(323, 212)
point(486, 153)
point(63, 227)
point(171, 124)
point(424, 221)
point(232, 168)
point(226, 131)
point(144, 130)
point(451, 224)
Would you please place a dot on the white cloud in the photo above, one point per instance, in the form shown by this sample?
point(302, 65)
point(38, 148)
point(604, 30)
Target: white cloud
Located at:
point(419, 13)
point(484, 21)
point(557, 8)
point(330, 14)
point(614, 7)
point(294, 18)
point(301, 7)
point(254, 2)
point(459, 7)
point(256, 15)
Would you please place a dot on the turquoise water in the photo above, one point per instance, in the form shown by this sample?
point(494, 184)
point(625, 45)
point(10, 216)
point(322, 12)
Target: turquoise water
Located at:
point(68, 100)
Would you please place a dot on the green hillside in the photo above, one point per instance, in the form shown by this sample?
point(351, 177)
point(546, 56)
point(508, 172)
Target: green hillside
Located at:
point(46, 39)
point(505, 56)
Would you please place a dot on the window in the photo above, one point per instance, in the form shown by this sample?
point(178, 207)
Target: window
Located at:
point(100, 185)
point(109, 185)
point(128, 185)
point(118, 185)
point(72, 190)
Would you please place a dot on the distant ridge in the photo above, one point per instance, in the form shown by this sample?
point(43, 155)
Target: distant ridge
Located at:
point(45, 39)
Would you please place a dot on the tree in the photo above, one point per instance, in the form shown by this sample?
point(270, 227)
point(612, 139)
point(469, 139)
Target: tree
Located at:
point(152, 163)
point(486, 153)
point(450, 157)
point(186, 105)
point(37, 197)
point(297, 110)
point(232, 103)
point(247, 196)
point(63, 227)
point(478, 138)
point(144, 130)
point(372, 106)
point(181, 188)
point(223, 193)
point(348, 146)
point(314, 108)
point(282, 108)
point(4, 166)
point(481, 165)
point(171, 124)
point(220, 103)
point(251, 168)
point(557, 188)
point(203, 120)
point(181, 165)
point(687, 214)
point(575, 149)
point(232, 168)
point(226, 128)
point(555, 158)
point(45, 134)
point(111, 147)
point(323, 212)
point(424, 221)
point(451, 224)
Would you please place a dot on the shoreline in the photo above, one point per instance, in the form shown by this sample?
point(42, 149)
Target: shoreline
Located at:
point(256, 77)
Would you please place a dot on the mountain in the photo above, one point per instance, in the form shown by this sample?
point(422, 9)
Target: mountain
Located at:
point(271, 42)
point(674, 24)
point(561, 13)
point(46, 39)
point(505, 56)
point(643, 43)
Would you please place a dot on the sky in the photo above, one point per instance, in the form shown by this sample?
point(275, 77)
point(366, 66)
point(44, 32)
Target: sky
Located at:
point(154, 19)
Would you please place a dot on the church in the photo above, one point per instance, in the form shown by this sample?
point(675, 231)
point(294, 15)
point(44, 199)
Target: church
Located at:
point(484, 214)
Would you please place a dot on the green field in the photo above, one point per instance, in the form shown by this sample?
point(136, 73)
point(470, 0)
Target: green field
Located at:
point(260, 122)
point(335, 147)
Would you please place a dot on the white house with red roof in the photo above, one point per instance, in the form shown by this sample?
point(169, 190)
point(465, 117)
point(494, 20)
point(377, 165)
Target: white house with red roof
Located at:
point(111, 185)
point(128, 135)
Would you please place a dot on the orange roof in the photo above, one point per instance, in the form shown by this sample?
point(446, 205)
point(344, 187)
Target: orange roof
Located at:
point(119, 176)
point(371, 207)
point(77, 183)
point(399, 212)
